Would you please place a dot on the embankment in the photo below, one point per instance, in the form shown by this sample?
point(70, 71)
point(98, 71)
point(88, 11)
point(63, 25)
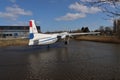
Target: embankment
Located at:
point(13, 42)
point(106, 39)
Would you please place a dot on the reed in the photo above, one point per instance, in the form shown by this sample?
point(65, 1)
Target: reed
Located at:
point(106, 39)
point(13, 42)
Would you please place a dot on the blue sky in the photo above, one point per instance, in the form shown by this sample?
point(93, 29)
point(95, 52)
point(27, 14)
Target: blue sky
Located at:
point(52, 15)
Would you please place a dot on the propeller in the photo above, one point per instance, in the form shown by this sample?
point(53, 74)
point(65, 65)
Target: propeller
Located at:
point(65, 36)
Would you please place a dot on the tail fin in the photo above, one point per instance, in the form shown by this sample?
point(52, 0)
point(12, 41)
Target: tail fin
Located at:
point(32, 30)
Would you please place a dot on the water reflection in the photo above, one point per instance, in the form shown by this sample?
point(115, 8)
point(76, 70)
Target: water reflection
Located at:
point(94, 60)
point(77, 61)
point(45, 63)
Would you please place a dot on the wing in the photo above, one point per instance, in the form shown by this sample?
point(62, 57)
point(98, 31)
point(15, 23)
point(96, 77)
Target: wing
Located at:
point(66, 34)
point(75, 34)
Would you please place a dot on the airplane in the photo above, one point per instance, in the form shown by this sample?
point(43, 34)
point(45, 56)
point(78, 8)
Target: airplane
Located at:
point(36, 38)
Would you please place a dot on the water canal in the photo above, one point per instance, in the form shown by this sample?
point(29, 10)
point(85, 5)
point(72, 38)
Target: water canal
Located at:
point(80, 60)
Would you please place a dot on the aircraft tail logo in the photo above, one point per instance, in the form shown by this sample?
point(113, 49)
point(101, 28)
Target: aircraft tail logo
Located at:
point(33, 28)
point(32, 31)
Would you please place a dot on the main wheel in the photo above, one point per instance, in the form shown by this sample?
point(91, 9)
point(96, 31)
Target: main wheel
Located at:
point(66, 42)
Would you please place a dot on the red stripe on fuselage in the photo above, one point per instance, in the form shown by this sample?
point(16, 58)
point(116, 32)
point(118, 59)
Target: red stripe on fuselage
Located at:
point(30, 23)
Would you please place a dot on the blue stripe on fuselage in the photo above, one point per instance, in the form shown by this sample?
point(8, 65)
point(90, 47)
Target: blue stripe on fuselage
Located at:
point(31, 36)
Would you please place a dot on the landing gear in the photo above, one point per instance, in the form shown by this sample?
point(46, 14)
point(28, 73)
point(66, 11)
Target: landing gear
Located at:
point(67, 40)
point(48, 46)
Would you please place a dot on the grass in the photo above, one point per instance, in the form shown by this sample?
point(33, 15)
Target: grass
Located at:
point(13, 42)
point(106, 39)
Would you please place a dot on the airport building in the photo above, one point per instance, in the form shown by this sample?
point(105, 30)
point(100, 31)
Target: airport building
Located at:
point(116, 27)
point(15, 31)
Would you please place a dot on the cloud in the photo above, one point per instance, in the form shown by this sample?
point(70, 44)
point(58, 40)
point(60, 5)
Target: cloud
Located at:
point(87, 0)
point(105, 1)
point(13, 1)
point(84, 9)
point(14, 12)
point(81, 12)
point(71, 16)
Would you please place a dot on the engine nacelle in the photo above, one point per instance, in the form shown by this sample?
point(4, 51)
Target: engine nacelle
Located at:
point(59, 38)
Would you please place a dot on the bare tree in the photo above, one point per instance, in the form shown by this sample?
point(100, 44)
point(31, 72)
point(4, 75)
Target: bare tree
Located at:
point(85, 29)
point(110, 7)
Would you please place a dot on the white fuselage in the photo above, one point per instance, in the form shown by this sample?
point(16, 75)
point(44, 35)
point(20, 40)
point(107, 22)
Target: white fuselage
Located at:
point(44, 39)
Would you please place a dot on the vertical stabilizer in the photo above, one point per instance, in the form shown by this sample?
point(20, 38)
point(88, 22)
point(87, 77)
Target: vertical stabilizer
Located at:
point(33, 28)
point(32, 31)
